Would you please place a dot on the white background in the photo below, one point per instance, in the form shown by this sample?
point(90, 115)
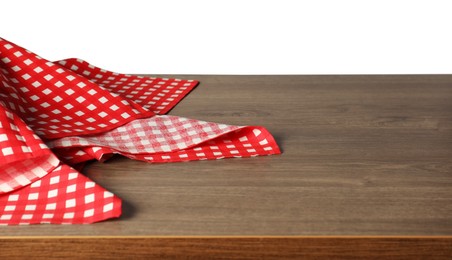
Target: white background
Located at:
point(238, 36)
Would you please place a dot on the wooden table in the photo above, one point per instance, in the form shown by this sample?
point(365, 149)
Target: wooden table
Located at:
point(366, 170)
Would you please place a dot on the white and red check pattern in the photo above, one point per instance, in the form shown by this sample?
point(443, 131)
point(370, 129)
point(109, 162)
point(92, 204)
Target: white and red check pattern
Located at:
point(168, 139)
point(83, 113)
point(150, 135)
point(25, 158)
point(156, 94)
point(63, 196)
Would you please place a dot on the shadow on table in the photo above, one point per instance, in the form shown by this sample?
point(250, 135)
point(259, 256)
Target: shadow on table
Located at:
point(128, 210)
point(279, 138)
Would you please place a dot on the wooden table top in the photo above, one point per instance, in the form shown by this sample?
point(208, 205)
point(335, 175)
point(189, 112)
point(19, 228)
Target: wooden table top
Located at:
point(362, 156)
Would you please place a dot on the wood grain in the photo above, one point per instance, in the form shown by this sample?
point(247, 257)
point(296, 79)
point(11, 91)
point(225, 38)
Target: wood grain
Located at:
point(228, 248)
point(362, 156)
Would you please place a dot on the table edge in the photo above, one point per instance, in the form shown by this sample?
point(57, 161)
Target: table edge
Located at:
point(229, 247)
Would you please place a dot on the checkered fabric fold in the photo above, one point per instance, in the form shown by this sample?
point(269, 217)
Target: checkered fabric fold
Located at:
point(55, 116)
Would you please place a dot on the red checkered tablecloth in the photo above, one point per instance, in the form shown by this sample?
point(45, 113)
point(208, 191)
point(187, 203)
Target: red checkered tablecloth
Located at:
point(57, 115)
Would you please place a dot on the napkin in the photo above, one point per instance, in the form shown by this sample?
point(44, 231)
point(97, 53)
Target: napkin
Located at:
point(55, 116)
